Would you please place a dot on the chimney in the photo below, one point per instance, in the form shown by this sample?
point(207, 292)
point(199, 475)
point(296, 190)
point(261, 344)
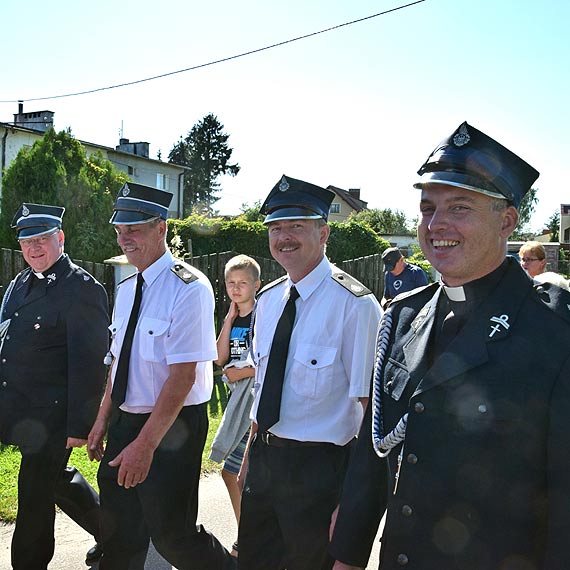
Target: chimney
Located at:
point(355, 192)
point(20, 107)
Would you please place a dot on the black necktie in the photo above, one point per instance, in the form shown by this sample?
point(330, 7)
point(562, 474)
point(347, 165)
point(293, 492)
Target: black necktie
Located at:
point(270, 403)
point(122, 374)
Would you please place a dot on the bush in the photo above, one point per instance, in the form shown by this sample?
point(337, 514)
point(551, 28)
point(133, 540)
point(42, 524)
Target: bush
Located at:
point(348, 240)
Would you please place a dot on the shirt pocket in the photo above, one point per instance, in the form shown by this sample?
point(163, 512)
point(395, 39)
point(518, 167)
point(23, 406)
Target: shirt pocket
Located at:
point(152, 335)
point(311, 371)
point(43, 331)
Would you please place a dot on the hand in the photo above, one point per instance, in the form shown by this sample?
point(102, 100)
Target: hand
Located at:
point(242, 473)
point(234, 374)
point(233, 312)
point(95, 445)
point(75, 442)
point(134, 464)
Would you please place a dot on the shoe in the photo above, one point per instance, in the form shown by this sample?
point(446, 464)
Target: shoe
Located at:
point(234, 552)
point(93, 554)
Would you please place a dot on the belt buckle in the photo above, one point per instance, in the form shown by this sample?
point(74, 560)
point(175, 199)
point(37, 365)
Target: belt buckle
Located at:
point(265, 437)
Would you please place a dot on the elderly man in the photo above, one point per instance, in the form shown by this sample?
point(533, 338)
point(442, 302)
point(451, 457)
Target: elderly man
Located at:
point(53, 341)
point(314, 350)
point(154, 408)
point(466, 444)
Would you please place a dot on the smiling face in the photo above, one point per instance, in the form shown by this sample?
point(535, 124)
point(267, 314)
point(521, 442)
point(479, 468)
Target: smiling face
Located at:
point(142, 243)
point(41, 252)
point(298, 245)
point(462, 233)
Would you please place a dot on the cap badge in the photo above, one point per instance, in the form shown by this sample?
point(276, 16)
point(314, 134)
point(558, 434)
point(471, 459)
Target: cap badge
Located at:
point(284, 185)
point(462, 137)
point(126, 191)
point(502, 321)
point(25, 211)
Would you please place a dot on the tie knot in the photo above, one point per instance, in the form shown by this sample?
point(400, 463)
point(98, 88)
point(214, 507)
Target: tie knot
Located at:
point(293, 293)
point(140, 280)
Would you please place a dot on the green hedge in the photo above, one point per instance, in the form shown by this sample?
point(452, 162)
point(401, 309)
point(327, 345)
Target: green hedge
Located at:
point(348, 240)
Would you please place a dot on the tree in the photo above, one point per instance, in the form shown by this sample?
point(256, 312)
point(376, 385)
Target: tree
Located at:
point(553, 224)
point(526, 209)
point(384, 221)
point(56, 171)
point(206, 153)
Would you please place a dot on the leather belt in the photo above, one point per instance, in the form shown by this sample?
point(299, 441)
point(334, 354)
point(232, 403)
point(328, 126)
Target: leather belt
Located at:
point(275, 441)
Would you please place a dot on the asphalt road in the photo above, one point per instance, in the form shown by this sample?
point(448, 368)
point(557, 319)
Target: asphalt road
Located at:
point(72, 542)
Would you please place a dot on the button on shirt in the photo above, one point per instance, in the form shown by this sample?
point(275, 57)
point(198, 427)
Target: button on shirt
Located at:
point(175, 325)
point(330, 359)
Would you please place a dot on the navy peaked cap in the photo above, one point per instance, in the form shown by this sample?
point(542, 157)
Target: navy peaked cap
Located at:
point(36, 219)
point(472, 160)
point(292, 199)
point(137, 203)
point(390, 257)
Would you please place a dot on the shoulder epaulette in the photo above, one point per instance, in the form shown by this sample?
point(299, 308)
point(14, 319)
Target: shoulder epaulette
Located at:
point(271, 285)
point(184, 271)
point(126, 278)
point(350, 283)
point(416, 291)
point(555, 298)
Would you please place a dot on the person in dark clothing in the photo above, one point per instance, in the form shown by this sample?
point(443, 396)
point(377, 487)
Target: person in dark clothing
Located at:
point(54, 338)
point(466, 442)
point(400, 275)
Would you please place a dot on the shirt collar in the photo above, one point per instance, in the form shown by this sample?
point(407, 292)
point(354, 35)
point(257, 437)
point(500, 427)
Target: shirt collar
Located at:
point(310, 282)
point(163, 263)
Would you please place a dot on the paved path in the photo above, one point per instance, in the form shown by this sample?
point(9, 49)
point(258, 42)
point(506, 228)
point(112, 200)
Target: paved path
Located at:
point(72, 542)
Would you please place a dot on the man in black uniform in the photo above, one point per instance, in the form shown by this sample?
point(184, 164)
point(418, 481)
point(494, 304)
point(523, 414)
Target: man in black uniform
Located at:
point(53, 341)
point(470, 447)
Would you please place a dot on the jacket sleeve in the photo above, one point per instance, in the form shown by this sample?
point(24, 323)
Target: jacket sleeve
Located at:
point(363, 500)
point(87, 320)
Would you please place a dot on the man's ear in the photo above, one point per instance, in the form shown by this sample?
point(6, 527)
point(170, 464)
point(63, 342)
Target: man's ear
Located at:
point(510, 221)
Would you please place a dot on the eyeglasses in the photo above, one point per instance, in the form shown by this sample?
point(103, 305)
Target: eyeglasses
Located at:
point(529, 259)
point(41, 240)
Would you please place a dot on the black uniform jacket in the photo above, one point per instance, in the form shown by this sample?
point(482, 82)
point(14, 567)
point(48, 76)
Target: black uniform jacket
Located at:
point(51, 370)
point(484, 482)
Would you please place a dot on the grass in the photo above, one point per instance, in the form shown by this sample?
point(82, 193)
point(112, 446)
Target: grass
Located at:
point(10, 458)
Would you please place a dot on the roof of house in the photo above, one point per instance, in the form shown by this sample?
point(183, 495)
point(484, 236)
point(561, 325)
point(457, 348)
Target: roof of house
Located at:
point(95, 145)
point(352, 201)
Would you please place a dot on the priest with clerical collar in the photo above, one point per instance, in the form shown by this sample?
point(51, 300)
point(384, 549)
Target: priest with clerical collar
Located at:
point(53, 338)
point(466, 442)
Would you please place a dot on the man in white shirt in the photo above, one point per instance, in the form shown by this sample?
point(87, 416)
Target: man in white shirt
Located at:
point(154, 408)
point(297, 459)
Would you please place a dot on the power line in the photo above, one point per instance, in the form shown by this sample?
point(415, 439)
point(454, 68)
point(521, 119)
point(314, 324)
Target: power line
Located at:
point(218, 60)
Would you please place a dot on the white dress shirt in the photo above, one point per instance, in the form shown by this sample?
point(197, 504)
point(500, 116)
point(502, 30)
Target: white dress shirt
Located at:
point(175, 325)
point(330, 361)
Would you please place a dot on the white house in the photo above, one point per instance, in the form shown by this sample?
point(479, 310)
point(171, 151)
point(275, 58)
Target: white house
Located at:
point(132, 158)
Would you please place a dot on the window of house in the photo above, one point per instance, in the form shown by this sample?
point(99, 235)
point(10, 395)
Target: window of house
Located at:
point(161, 181)
point(130, 170)
point(335, 209)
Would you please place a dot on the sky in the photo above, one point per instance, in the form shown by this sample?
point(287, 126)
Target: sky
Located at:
point(361, 106)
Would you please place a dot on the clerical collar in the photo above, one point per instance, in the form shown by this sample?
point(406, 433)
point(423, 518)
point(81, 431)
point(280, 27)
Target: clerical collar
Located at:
point(454, 293)
point(41, 275)
point(475, 291)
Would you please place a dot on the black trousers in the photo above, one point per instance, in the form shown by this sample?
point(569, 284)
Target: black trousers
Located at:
point(289, 496)
point(43, 482)
point(165, 506)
